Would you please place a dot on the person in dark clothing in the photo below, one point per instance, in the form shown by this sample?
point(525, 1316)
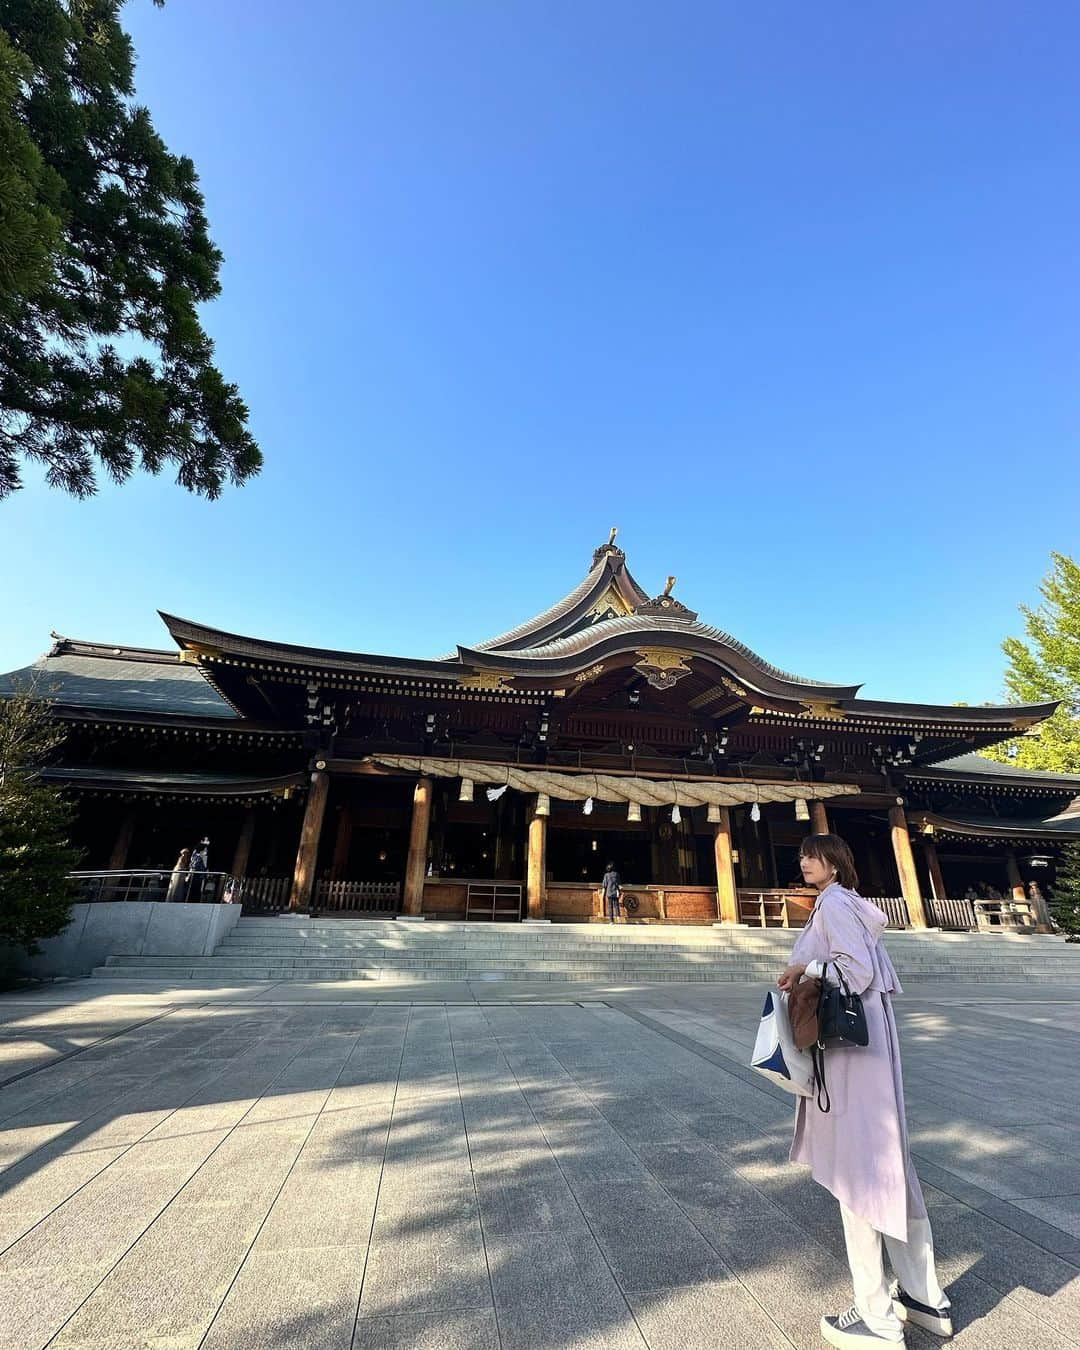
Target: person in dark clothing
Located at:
point(611, 890)
point(198, 873)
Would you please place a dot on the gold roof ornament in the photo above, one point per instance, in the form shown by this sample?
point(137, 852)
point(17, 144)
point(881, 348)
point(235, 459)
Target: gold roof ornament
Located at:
point(663, 667)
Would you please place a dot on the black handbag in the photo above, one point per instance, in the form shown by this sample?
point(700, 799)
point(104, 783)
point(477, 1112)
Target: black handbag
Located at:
point(841, 1021)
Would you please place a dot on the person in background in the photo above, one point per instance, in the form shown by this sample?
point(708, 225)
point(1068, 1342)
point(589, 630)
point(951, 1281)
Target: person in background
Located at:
point(611, 891)
point(179, 877)
point(198, 872)
point(858, 1149)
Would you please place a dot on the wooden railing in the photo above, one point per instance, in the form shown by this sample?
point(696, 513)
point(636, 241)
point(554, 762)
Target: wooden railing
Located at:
point(266, 893)
point(955, 914)
point(379, 897)
point(895, 906)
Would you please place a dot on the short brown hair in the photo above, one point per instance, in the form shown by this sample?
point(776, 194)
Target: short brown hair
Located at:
point(834, 852)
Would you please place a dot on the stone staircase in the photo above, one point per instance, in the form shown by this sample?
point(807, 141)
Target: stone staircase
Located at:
point(302, 948)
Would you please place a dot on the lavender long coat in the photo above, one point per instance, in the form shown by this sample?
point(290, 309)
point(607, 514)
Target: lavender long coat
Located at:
point(859, 1150)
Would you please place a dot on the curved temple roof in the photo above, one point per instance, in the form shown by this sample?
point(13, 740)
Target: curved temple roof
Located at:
point(607, 617)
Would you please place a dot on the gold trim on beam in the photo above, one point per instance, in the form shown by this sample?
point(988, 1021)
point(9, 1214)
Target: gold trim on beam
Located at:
point(485, 679)
point(829, 712)
point(195, 652)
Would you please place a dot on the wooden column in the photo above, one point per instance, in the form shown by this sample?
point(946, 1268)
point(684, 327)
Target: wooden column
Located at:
point(819, 820)
point(905, 865)
point(416, 864)
point(1020, 896)
point(342, 840)
point(1016, 882)
point(933, 866)
point(536, 866)
point(118, 858)
point(307, 854)
point(727, 897)
point(242, 856)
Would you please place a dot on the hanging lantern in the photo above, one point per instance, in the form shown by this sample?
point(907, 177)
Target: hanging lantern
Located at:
point(802, 811)
point(465, 795)
point(755, 812)
point(587, 808)
point(713, 815)
point(633, 810)
point(543, 804)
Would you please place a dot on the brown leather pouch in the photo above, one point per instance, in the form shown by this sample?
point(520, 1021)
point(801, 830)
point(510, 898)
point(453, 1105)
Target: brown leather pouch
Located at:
point(803, 1002)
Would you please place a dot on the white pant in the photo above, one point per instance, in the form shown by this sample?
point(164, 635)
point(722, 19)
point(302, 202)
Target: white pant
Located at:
point(913, 1265)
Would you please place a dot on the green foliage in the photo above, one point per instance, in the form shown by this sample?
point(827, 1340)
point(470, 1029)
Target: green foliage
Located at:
point(102, 238)
point(36, 853)
point(1047, 667)
point(1065, 904)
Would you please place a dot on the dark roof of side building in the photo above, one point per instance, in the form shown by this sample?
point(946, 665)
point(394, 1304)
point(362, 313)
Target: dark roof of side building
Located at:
point(93, 676)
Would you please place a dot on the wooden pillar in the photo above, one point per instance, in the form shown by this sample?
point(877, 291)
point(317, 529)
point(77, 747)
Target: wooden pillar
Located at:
point(242, 856)
point(819, 820)
point(727, 897)
point(1016, 882)
point(308, 853)
point(342, 840)
point(1020, 896)
point(933, 866)
point(416, 864)
point(536, 866)
point(118, 858)
point(905, 865)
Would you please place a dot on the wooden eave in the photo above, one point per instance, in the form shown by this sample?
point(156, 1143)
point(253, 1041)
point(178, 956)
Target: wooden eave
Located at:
point(172, 722)
point(139, 783)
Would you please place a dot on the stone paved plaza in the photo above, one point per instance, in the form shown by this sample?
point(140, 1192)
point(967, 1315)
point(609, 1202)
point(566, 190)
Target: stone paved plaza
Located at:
point(461, 1167)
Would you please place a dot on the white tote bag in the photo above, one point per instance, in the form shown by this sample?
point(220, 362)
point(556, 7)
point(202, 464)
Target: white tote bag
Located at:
point(775, 1053)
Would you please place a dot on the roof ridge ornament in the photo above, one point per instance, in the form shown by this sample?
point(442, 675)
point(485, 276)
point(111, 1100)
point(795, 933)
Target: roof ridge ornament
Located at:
point(609, 549)
point(665, 604)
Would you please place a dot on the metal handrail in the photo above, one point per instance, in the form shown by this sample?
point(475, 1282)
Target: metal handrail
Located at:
point(177, 885)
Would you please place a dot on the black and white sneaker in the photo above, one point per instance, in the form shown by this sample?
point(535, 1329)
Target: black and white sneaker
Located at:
point(909, 1309)
point(848, 1329)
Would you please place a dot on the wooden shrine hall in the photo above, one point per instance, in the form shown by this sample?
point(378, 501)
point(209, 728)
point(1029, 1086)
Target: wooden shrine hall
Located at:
point(498, 780)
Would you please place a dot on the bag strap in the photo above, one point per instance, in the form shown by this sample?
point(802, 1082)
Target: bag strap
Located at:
point(817, 1053)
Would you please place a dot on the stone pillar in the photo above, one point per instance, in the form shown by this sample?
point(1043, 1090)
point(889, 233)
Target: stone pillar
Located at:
point(536, 866)
point(307, 854)
point(727, 897)
point(819, 820)
point(118, 858)
point(416, 864)
point(933, 866)
point(905, 865)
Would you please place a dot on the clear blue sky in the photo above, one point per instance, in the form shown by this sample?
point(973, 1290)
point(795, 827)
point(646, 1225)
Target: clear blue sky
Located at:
point(788, 292)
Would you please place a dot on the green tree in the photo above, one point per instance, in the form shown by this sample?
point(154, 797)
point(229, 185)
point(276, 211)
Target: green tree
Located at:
point(1065, 905)
point(36, 853)
point(104, 256)
point(1045, 667)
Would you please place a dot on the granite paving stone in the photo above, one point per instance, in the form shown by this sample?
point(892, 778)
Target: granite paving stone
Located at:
point(547, 1166)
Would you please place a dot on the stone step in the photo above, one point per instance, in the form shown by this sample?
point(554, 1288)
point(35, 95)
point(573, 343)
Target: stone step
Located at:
point(651, 976)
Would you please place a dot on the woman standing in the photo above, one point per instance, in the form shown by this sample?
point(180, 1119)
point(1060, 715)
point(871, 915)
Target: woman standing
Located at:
point(859, 1149)
point(178, 880)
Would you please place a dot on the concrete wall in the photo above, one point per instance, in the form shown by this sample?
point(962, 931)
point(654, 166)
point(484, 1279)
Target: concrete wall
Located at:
point(128, 928)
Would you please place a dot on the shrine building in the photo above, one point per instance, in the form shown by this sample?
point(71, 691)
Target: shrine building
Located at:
point(498, 780)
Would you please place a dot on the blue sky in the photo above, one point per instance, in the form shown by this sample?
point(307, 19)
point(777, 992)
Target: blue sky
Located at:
point(787, 292)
